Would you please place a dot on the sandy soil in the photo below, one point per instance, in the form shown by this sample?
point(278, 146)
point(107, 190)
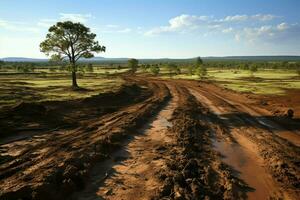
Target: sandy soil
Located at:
point(153, 139)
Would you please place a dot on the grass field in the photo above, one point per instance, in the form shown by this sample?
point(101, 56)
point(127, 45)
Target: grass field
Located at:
point(16, 88)
point(262, 82)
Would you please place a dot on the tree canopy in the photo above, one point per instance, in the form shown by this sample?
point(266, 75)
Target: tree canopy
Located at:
point(71, 41)
point(133, 64)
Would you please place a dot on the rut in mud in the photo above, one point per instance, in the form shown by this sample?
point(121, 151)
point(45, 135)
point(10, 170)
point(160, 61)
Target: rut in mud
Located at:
point(130, 172)
point(155, 139)
point(264, 159)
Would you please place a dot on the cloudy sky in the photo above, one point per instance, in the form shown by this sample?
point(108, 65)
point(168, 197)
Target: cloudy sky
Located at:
point(158, 28)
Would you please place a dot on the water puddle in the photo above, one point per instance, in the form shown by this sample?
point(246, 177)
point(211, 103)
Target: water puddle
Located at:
point(242, 156)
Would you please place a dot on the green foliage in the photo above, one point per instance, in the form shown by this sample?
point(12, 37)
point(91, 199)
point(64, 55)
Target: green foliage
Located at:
point(72, 41)
point(173, 69)
point(198, 61)
point(89, 68)
point(253, 68)
point(191, 69)
point(155, 70)
point(52, 69)
point(133, 65)
point(143, 68)
point(64, 67)
point(245, 66)
point(201, 71)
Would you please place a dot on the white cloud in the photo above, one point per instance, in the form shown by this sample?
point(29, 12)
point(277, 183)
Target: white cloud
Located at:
point(179, 23)
point(241, 18)
point(283, 26)
point(262, 17)
point(280, 32)
point(184, 23)
point(235, 18)
point(249, 28)
point(75, 17)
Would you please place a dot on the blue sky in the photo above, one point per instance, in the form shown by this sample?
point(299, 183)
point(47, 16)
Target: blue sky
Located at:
point(158, 28)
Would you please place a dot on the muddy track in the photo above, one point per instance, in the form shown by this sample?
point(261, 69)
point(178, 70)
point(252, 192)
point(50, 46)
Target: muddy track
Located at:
point(259, 141)
point(51, 166)
point(177, 140)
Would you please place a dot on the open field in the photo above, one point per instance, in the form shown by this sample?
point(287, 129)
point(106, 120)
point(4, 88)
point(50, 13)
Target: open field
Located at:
point(141, 137)
point(16, 88)
point(269, 82)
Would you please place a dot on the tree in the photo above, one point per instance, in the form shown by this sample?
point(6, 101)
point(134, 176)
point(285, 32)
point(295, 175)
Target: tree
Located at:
point(72, 41)
point(253, 69)
point(155, 70)
point(245, 66)
point(173, 69)
point(198, 61)
point(201, 71)
point(191, 69)
point(133, 65)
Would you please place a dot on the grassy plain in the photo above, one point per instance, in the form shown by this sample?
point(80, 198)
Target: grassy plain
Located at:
point(268, 81)
point(16, 88)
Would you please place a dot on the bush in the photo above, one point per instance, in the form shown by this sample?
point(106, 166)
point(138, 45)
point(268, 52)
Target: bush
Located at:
point(201, 71)
point(155, 70)
point(253, 69)
point(133, 65)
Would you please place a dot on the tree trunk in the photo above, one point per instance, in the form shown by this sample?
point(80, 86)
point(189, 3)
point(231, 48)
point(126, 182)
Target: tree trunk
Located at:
point(74, 81)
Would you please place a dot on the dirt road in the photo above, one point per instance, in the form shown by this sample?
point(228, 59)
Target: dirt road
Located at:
point(162, 139)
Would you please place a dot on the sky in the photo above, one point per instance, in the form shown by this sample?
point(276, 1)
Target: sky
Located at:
point(158, 28)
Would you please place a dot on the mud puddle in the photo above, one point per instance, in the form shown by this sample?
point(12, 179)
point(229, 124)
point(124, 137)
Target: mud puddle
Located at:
point(243, 157)
point(129, 173)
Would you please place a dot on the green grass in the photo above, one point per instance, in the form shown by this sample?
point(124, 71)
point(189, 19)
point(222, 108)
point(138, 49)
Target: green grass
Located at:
point(262, 82)
point(35, 88)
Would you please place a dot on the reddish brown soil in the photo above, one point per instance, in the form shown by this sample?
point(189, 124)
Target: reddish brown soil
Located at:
point(153, 139)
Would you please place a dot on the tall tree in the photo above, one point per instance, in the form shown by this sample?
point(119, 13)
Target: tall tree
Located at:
point(200, 70)
point(198, 62)
point(72, 41)
point(133, 65)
